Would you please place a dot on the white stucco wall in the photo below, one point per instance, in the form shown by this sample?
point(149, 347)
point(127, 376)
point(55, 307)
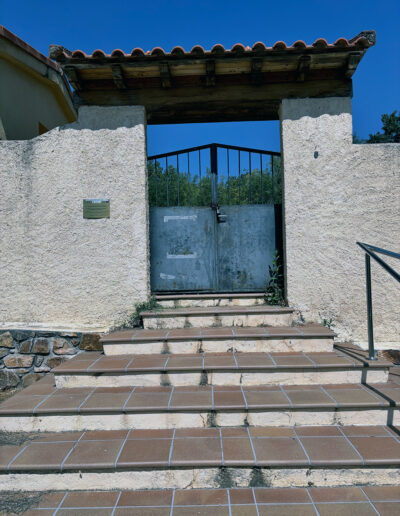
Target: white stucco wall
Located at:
point(348, 193)
point(57, 269)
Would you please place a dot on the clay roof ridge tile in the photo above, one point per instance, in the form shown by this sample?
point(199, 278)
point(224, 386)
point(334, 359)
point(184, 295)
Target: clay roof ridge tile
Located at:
point(78, 54)
point(138, 52)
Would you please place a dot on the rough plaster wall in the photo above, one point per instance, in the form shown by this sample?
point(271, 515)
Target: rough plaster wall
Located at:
point(348, 193)
point(57, 269)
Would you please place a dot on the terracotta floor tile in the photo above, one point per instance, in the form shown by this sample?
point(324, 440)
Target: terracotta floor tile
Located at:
point(382, 493)
point(237, 451)
point(320, 431)
point(353, 397)
point(197, 432)
point(392, 394)
point(39, 388)
point(283, 331)
point(388, 508)
point(39, 512)
point(249, 332)
point(151, 400)
point(201, 497)
point(377, 449)
point(217, 333)
point(184, 333)
point(103, 401)
point(145, 498)
point(65, 403)
point(104, 435)
point(234, 432)
point(364, 431)
point(160, 433)
point(49, 500)
point(42, 456)
point(281, 495)
point(148, 362)
point(330, 450)
point(228, 399)
point(286, 510)
point(337, 494)
point(20, 404)
point(185, 362)
point(254, 360)
point(191, 399)
point(145, 511)
point(94, 454)
point(346, 509)
point(305, 398)
point(243, 510)
point(241, 496)
point(196, 451)
point(141, 335)
point(58, 436)
point(219, 361)
point(145, 453)
point(90, 499)
point(277, 450)
point(266, 398)
point(271, 431)
point(323, 359)
point(202, 511)
point(293, 361)
point(85, 512)
point(7, 453)
point(110, 363)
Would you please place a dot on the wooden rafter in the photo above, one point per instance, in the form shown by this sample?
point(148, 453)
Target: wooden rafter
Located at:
point(165, 75)
point(73, 77)
point(256, 70)
point(303, 67)
point(118, 76)
point(352, 63)
point(210, 72)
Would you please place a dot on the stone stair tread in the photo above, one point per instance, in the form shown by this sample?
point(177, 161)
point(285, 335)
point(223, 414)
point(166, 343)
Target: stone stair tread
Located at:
point(218, 310)
point(88, 363)
point(283, 447)
point(46, 399)
point(371, 499)
point(224, 295)
point(235, 332)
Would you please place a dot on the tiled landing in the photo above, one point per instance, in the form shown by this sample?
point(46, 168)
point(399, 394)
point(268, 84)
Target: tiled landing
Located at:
point(350, 501)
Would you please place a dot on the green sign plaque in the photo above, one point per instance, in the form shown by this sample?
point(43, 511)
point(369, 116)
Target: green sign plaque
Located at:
point(96, 208)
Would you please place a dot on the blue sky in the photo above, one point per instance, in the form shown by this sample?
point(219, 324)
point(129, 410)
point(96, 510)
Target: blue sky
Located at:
point(88, 25)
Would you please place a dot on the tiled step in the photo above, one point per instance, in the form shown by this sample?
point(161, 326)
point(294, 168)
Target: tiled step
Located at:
point(43, 407)
point(206, 300)
point(208, 457)
point(96, 370)
point(367, 500)
point(219, 340)
point(198, 317)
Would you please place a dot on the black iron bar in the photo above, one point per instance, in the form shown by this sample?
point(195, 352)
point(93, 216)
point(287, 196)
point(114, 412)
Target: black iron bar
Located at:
point(177, 171)
point(261, 182)
point(156, 179)
point(272, 180)
point(229, 186)
point(239, 178)
point(371, 350)
point(250, 178)
point(200, 177)
point(166, 172)
point(370, 252)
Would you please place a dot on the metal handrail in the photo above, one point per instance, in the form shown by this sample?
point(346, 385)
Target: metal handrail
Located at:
point(370, 252)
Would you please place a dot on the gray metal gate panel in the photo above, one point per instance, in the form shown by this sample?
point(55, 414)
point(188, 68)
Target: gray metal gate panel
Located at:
point(245, 247)
point(182, 243)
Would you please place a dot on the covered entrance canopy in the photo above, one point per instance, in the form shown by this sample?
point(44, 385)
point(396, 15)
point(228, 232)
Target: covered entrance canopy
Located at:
point(243, 83)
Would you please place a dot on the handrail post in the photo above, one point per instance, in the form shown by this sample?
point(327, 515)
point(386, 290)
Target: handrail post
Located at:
point(372, 354)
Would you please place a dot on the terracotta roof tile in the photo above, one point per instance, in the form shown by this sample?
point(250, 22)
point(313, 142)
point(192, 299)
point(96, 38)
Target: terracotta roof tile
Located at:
point(361, 41)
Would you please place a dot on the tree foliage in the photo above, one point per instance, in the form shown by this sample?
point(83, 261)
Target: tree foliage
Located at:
point(390, 128)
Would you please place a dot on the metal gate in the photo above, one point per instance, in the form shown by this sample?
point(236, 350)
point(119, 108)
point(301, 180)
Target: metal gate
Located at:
point(215, 215)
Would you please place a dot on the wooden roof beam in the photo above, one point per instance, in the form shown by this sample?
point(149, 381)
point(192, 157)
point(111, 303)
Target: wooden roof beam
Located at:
point(303, 67)
point(165, 75)
point(210, 72)
point(118, 76)
point(256, 71)
point(352, 63)
point(73, 77)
